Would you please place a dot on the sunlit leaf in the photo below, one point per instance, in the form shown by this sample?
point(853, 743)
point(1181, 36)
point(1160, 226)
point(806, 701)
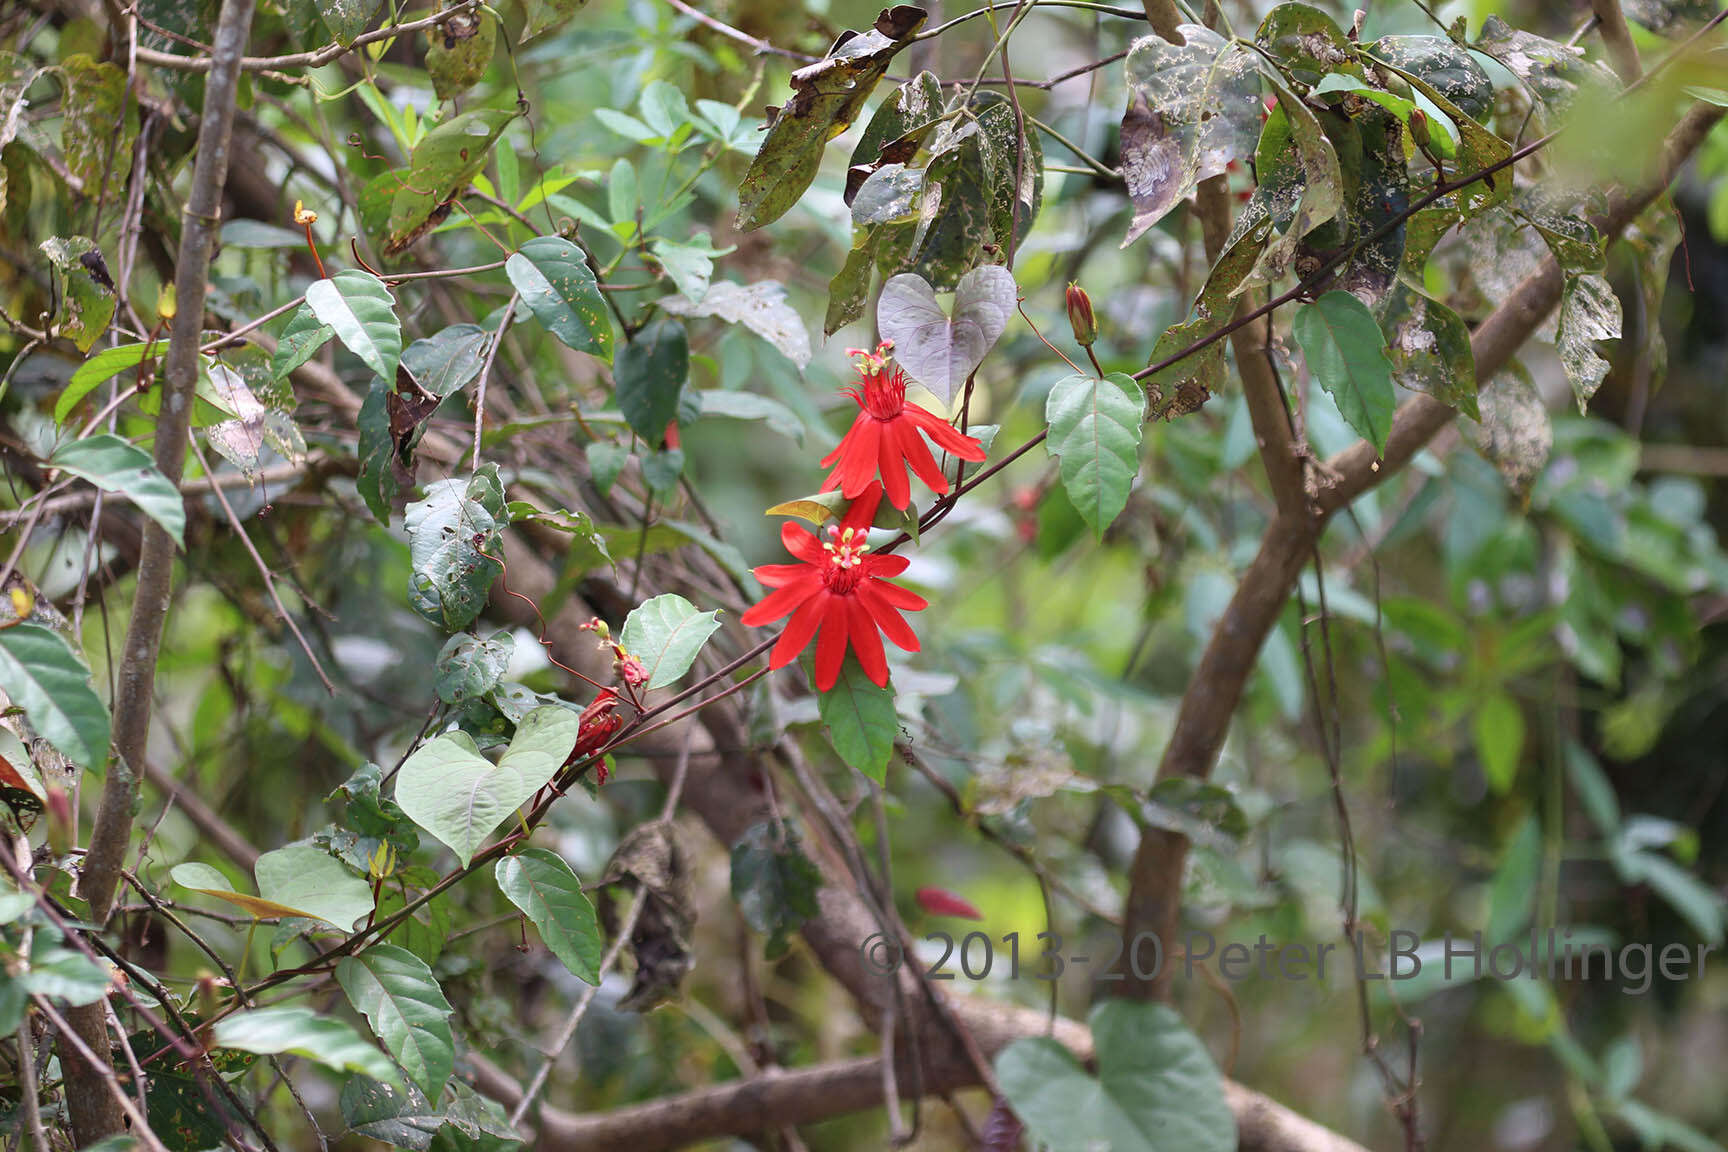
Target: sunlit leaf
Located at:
point(666, 634)
point(1095, 431)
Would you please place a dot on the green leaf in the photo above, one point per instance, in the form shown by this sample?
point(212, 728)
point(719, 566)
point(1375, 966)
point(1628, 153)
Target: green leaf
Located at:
point(448, 360)
point(650, 372)
point(444, 161)
point(300, 341)
point(1156, 1090)
point(114, 465)
point(395, 1114)
point(469, 667)
point(65, 975)
point(453, 792)
point(43, 676)
point(1594, 790)
point(1399, 106)
point(859, 718)
point(460, 52)
point(401, 1000)
point(1499, 732)
point(360, 310)
point(559, 288)
point(1192, 109)
point(1346, 355)
point(1478, 148)
point(453, 539)
point(548, 892)
point(103, 366)
point(302, 1032)
point(1184, 386)
point(666, 633)
point(545, 15)
point(1589, 311)
point(753, 406)
point(826, 97)
point(774, 883)
point(303, 876)
point(1095, 431)
point(690, 263)
point(208, 881)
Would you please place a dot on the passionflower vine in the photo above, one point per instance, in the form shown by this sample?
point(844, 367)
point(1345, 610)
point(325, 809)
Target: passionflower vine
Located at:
point(884, 440)
point(839, 595)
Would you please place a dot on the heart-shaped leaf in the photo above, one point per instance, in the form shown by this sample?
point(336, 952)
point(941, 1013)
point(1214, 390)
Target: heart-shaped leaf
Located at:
point(1156, 1090)
point(936, 350)
point(453, 792)
point(666, 633)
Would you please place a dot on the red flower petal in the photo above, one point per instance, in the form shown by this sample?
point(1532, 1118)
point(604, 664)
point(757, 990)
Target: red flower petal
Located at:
point(887, 618)
point(891, 463)
point(802, 544)
point(784, 601)
point(831, 645)
point(885, 567)
point(840, 448)
point(866, 641)
point(802, 626)
point(775, 575)
point(941, 902)
point(902, 598)
point(946, 437)
point(917, 454)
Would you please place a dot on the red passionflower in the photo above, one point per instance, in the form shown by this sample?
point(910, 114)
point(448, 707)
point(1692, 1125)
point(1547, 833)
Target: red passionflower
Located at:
point(840, 589)
point(884, 438)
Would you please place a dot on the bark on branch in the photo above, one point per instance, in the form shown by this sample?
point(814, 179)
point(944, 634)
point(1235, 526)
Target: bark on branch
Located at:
point(1202, 721)
point(94, 1113)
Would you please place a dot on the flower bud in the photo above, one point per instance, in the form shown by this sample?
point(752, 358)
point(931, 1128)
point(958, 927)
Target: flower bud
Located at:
point(1080, 316)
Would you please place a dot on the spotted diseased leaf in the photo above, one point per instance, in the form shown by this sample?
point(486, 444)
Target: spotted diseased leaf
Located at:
point(895, 131)
point(761, 307)
point(826, 98)
point(1306, 43)
point(1651, 240)
point(1554, 74)
point(849, 291)
point(89, 301)
point(458, 52)
point(99, 127)
point(1429, 346)
point(468, 667)
point(1442, 65)
point(1346, 355)
point(1017, 169)
point(1564, 227)
point(1298, 174)
point(1377, 191)
point(1515, 433)
point(346, 19)
point(1671, 18)
point(453, 545)
point(556, 283)
point(1183, 386)
point(1095, 432)
point(1478, 148)
point(774, 883)
point(1589, 311)
point(1192, 109)
point(954, 222)
point(443, 163)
